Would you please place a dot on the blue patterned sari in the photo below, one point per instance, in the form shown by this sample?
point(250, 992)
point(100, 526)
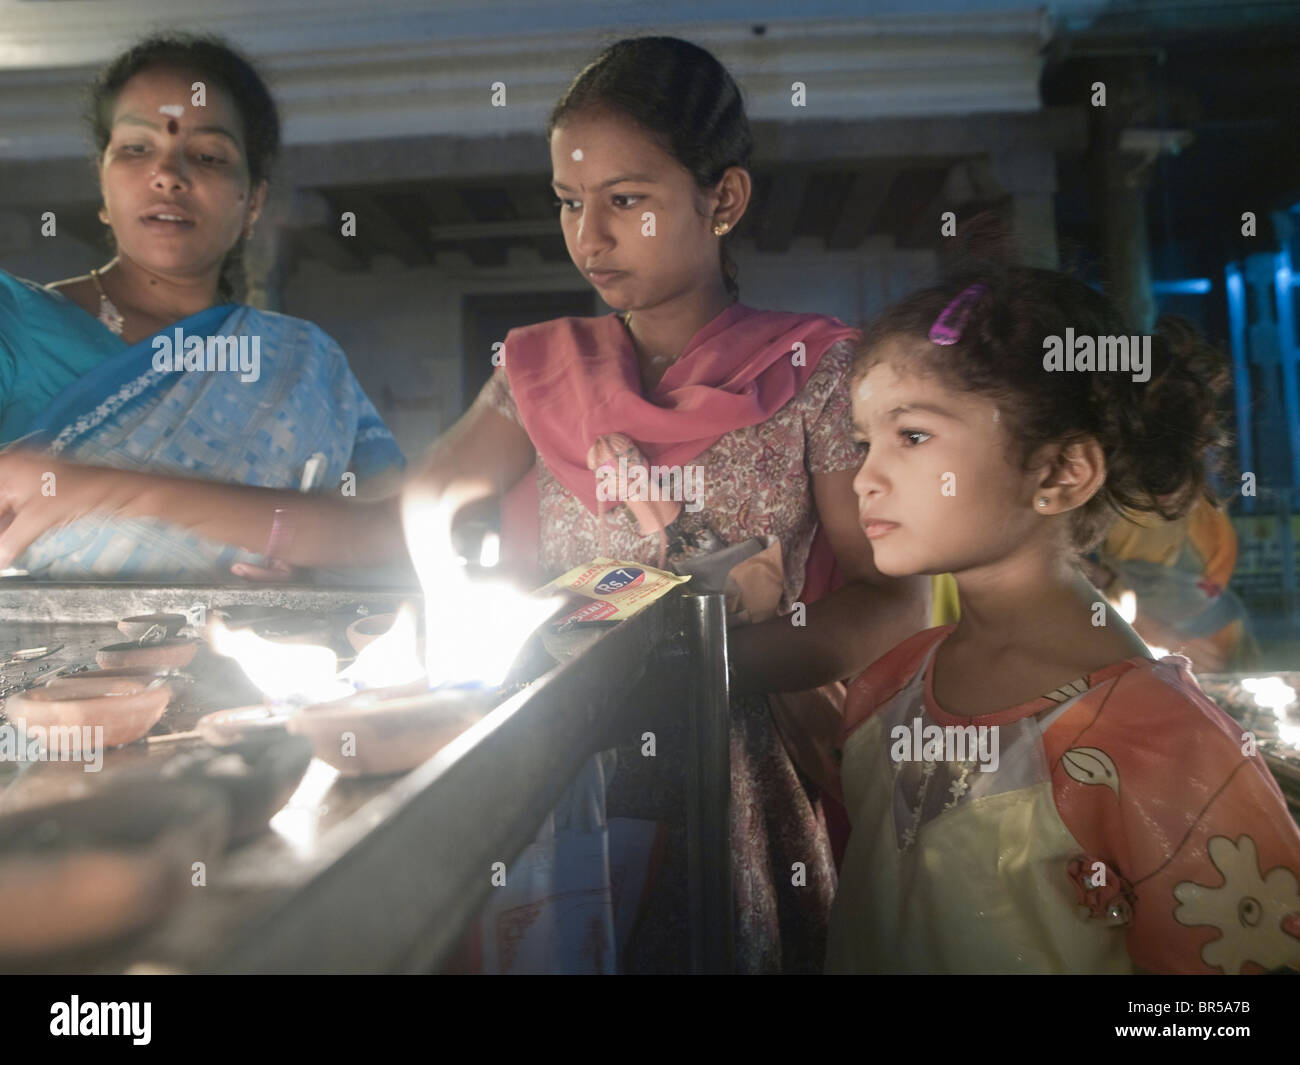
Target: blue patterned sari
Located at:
point(182, 402)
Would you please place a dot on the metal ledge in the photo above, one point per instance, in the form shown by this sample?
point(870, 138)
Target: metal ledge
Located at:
point(392, 882)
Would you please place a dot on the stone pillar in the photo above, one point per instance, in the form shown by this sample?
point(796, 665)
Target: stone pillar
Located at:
point(1126, 250)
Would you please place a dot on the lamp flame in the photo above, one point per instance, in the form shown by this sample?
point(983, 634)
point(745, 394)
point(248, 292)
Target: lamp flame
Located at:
point(389, 660)
point(1128, 605)
point(1271, 693)
point(284, 672)
point(473, 630)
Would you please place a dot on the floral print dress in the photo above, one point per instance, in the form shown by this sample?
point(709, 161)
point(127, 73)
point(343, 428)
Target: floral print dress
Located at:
point(1122, 823)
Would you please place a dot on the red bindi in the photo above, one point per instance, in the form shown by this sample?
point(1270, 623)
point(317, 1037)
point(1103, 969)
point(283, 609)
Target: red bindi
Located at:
point(172, 126)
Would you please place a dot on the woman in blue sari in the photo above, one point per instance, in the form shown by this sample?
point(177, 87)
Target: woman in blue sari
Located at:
point(148, 363)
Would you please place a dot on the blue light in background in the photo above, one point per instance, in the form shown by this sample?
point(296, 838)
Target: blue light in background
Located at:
point(1189, 286)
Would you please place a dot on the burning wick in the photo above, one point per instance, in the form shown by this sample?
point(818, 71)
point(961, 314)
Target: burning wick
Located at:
point(1128, 610)
point(1271, 693)
point(390, 660)
point(287, 674)
point(291, 675)
point(1128, 605)
point(473, 630)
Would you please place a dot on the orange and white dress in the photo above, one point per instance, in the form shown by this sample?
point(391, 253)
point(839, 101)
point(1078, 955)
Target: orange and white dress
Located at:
point(1127, 826)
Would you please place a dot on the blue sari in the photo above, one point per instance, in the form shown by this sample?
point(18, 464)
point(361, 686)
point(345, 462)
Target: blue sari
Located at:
point(231, 394)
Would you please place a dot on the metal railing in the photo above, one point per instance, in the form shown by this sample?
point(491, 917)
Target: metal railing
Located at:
point(399, 896)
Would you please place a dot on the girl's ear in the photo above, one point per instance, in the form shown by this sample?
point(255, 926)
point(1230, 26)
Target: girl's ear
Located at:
point(732, 195)
point(1075, 473)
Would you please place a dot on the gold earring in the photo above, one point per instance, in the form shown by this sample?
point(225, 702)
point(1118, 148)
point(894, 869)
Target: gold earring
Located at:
point(721, 228)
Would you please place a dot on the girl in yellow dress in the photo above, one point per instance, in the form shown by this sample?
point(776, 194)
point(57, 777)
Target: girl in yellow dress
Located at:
point(1029, 790)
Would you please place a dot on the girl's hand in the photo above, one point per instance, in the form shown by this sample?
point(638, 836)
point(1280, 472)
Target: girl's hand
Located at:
point(39, 493)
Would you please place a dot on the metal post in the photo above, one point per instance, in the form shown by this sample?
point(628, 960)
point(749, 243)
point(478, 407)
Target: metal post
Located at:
point(708, 787)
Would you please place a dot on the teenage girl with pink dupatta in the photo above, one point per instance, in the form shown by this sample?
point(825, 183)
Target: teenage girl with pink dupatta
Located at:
point(649, 148)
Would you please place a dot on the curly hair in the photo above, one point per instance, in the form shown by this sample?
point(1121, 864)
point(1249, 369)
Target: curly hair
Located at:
point(1156, 435)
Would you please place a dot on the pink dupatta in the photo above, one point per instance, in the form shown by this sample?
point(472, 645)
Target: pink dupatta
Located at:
point(577, 386)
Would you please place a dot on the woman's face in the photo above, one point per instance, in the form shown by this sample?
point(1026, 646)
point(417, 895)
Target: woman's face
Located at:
point(174, 176)
point(636, 224)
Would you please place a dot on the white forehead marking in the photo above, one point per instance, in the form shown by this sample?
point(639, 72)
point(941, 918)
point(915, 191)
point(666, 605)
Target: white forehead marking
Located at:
point(864, 390)
point(577, 155)
point(175, 110)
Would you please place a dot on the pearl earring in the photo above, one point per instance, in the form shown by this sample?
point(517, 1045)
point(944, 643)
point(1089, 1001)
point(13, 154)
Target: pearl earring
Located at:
point(1042, 501)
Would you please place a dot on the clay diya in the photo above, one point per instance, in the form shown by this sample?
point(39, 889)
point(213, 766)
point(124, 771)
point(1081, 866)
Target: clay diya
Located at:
point(125, 709)
point(242, 724)
point(171, 678)
point(256, 778)
point(167, 654)
point(106, 682)
point(365, 631)
point(390, 730)
point(91, 869)
point(134, 628)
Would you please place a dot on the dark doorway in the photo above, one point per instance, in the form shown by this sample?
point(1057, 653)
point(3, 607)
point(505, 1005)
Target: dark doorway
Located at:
point(488, 317)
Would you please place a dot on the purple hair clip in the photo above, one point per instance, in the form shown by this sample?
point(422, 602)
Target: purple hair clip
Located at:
point(947, 328)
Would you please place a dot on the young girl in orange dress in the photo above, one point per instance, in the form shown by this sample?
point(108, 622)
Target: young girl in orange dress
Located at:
point(1029, 790)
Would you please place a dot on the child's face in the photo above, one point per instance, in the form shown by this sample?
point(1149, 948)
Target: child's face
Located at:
point(938, 490)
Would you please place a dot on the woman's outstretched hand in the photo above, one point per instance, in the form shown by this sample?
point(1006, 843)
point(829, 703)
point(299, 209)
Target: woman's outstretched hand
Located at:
point(39, 493)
